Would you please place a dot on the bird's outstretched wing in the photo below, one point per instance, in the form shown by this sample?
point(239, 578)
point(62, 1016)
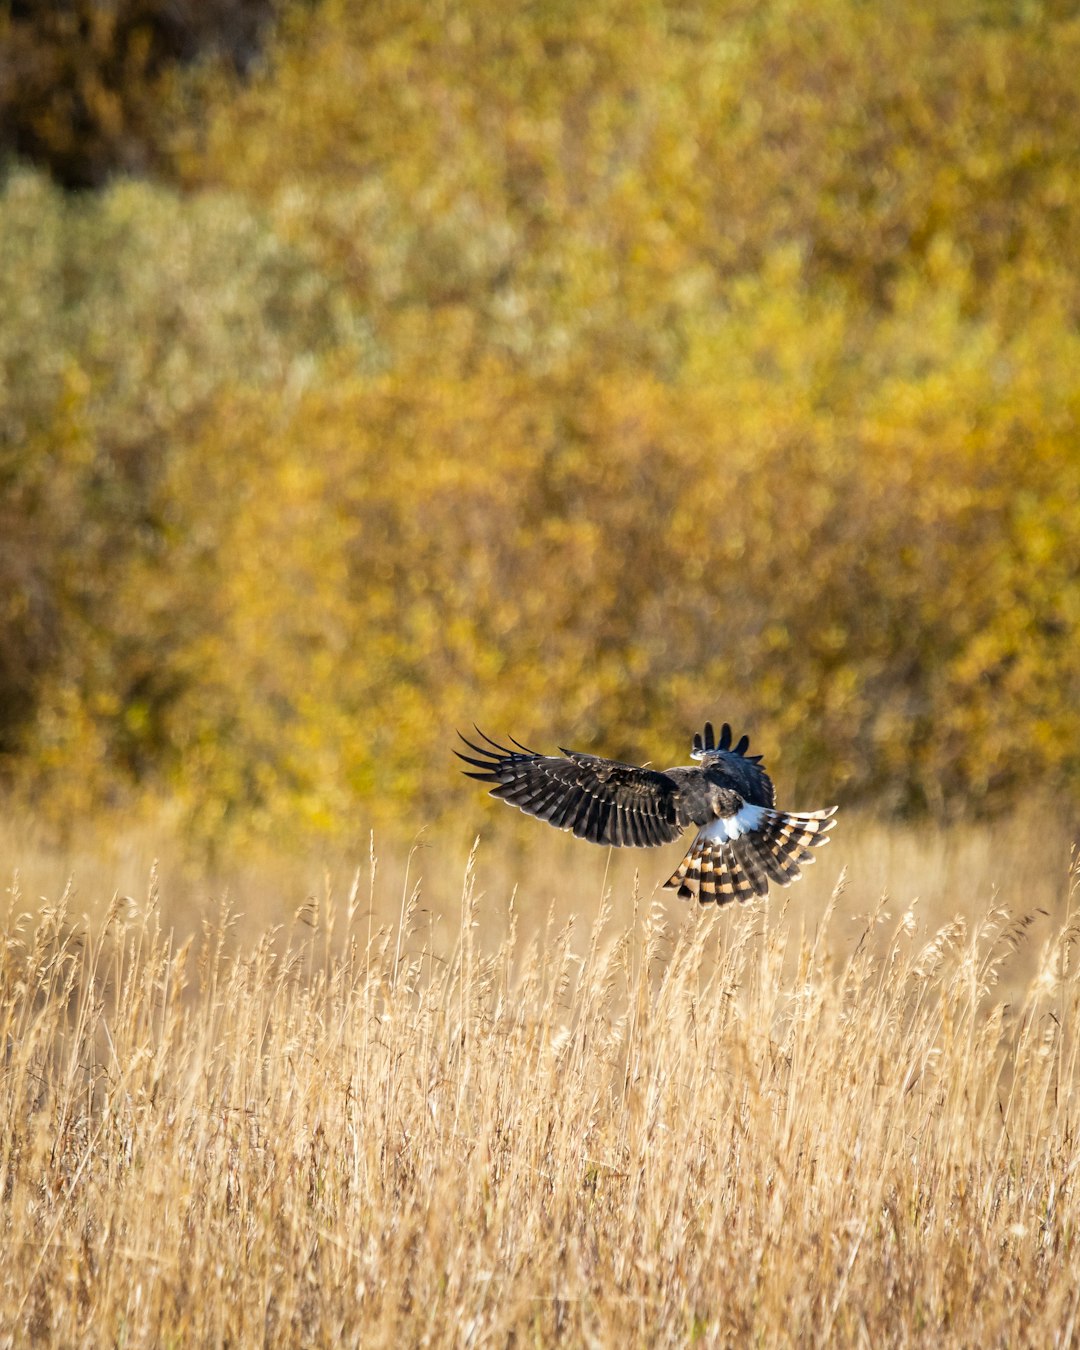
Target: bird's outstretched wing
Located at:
point(599, 799)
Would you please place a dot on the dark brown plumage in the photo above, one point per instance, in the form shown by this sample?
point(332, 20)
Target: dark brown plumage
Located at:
point(742, 842)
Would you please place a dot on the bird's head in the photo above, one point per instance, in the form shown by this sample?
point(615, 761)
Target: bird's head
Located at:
point(703, 744)
point(707, 750)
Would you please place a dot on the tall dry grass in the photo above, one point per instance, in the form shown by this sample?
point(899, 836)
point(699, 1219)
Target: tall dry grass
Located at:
point(645, 1125)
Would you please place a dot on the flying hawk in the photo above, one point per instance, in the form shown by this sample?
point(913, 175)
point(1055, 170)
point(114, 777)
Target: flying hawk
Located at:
point(742, 841)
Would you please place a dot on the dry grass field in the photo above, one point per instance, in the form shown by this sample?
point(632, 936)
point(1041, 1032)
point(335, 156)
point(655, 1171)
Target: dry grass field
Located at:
point(369, 1112)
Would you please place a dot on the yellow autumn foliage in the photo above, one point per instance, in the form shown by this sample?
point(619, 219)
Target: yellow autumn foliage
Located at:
point(475, 367)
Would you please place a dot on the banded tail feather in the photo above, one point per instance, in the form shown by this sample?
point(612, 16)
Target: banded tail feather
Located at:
point(735, 858)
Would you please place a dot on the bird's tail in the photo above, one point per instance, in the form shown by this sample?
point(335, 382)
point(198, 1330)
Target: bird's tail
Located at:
point(723, 870)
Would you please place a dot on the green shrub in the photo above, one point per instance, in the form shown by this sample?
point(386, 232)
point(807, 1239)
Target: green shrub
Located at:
point(123, 314)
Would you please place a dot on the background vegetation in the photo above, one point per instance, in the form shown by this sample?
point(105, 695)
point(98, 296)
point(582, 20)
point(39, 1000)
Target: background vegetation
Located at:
point(463, 364)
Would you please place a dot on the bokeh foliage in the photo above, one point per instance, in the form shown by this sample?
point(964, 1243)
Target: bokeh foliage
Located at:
point(81, 81)
point(470, 364)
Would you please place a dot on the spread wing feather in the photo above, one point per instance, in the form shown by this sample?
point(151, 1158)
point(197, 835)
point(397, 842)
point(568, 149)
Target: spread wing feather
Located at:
point(601, 800)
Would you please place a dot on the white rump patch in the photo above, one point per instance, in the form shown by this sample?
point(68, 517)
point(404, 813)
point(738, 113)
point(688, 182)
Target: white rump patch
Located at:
point(725, 828)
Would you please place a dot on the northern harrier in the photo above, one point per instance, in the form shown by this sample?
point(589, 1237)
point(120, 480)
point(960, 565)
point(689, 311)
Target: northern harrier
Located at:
point(742, 842)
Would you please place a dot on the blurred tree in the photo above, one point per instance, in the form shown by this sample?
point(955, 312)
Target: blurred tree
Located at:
point(518, 176)
point(484, 368)
point(121, 315)
point(81, 81)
